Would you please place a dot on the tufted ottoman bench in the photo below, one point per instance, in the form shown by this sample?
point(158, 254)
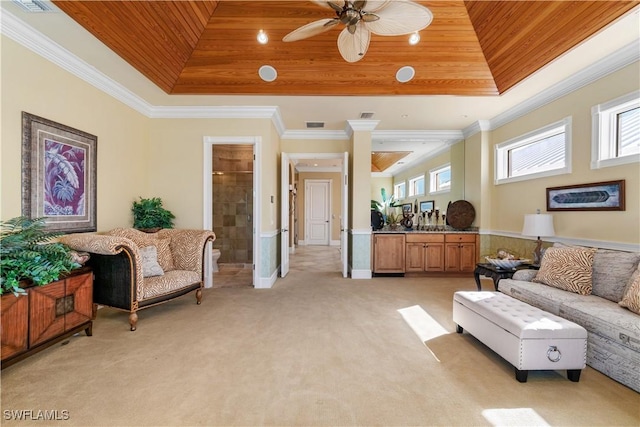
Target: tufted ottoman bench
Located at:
point(525, 336)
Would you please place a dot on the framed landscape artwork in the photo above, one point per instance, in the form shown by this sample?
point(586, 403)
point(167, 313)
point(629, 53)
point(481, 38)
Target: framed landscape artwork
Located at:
point(58, 175)
point(426, 206)
point(599, 196)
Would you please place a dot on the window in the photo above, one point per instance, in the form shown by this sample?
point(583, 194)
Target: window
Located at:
point(399, 190)
point(543, 152)
point(615, 138)
point(440, 179)
point(416, 186)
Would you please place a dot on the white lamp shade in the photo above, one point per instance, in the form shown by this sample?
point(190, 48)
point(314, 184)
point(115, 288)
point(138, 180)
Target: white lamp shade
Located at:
point(538, 225)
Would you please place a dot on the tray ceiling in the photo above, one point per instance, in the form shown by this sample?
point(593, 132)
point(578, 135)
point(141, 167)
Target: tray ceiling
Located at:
point(209, 47)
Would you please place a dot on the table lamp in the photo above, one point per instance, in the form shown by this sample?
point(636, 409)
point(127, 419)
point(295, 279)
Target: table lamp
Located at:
point(538, 225)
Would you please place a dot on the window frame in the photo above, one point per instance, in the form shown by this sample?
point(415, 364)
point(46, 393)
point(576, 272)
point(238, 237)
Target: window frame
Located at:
point(433, 179)
point(395, 190)
point(411, 186)
point(501, 152)
point(604, 129)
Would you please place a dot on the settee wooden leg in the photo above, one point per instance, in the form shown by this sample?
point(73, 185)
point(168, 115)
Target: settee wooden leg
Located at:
point(133, 320)
point(94, 311)
point(198, 296)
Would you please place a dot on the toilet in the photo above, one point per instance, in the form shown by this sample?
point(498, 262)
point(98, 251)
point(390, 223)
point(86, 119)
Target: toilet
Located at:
point(215, 254)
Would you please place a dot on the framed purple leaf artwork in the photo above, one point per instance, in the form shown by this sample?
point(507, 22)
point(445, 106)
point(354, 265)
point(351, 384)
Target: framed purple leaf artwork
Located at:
point(58, 175)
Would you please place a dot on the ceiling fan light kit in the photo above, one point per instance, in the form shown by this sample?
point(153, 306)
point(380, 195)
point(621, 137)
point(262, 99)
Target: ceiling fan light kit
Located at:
point(363, 18)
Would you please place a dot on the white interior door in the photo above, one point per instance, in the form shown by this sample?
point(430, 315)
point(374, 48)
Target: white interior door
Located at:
point(344, 216)
point(317, 208)
point(284, 215)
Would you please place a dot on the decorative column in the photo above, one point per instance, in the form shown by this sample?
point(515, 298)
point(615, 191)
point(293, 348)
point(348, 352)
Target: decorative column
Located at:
point(360, 189)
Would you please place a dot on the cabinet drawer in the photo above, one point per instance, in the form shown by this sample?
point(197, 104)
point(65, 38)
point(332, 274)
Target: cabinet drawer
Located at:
point(464, 238)
point(425, 238)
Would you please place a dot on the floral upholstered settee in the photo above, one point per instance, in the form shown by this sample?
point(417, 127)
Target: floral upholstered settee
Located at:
point(135, 270)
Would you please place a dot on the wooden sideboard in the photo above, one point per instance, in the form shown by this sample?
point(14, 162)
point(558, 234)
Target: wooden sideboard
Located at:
point(46, 315)
point(432, 252)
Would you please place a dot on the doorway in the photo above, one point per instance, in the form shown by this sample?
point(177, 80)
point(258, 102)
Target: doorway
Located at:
point(231, 210)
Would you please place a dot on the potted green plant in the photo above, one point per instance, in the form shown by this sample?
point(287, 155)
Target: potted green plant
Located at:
point(149, 215)
point(27, 253)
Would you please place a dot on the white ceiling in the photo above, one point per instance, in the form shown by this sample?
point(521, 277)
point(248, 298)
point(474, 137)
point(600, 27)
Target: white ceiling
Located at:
point(423, 124)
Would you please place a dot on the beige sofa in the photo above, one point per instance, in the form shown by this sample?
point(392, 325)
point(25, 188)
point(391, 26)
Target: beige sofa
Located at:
point(613, 340)
point(135, 270)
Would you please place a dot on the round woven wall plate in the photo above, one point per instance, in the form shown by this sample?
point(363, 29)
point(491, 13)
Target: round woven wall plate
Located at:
point(460, 214)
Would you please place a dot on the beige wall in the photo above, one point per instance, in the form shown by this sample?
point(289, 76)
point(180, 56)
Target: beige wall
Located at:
point(33, 84)
point(314, 145)
point(509, 202)
point(336, 204)
point(377, 184)
point(440, 200)
point(176, 155)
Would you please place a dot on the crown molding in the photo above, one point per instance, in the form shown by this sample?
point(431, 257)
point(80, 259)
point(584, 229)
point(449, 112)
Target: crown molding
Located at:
point(314, 169)
point(603, 67)
point(360, 125)
point(448, 136)
point(27, 36)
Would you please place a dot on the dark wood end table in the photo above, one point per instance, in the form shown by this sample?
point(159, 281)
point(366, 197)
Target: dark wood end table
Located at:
point(497, 273)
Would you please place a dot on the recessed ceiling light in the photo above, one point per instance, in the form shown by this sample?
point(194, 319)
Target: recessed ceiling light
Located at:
point(405, 74)
point(404, 116)
point(262, 37)
point(267, 73)
point(414, 38)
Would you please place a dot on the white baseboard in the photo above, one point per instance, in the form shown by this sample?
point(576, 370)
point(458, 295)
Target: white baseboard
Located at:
point(267, 282)
point(361, 274)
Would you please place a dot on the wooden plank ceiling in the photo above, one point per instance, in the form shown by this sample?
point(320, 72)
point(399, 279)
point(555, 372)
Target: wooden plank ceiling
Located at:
point(473, 47)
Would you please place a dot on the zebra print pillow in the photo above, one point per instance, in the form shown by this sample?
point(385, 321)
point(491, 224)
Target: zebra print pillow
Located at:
point(567, 268)
point(631, 298)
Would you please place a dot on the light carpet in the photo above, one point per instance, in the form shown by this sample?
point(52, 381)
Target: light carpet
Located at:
point(316, 350)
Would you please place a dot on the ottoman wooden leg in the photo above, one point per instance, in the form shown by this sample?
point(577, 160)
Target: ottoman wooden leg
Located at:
point(574, 374)
point(521, 376)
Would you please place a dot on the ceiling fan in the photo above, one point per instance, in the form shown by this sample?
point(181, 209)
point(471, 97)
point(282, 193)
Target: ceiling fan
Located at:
point(361, 18)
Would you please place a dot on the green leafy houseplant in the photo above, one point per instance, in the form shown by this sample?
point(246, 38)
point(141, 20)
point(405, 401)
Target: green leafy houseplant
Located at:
point(27, 253)
point(149, 214)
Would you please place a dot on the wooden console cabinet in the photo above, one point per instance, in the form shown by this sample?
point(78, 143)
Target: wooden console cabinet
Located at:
point(46, 315)
point(388, 253)
point(460, 252)
point(424, 252)
point(414, 252)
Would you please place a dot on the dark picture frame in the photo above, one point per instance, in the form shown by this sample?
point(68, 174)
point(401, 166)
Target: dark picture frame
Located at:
point(407, 208)
point(427, 205)
point(58, 175)
point(597, 196)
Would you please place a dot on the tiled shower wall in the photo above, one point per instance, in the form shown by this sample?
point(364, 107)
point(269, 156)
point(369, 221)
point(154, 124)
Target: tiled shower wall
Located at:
point(233, 202)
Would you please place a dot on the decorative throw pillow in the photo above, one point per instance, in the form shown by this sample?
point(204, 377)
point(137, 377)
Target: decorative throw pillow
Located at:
point(567, 268)
point(150, 266)
point(631, 298)
point(165, 259)
point(611, 272)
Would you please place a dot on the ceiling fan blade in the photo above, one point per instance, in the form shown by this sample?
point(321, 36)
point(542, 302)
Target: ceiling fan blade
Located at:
point(312, 29)
point(375, 5)
point(400, 17)
point(353, 47)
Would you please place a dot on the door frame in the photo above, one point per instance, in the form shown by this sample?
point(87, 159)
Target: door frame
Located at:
point(207, 198)
point(344, 173)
